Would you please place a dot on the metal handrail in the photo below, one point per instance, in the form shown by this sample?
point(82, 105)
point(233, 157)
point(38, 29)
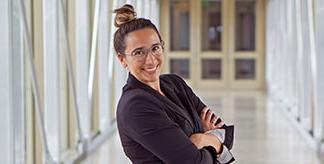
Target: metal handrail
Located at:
point(40, 116)
point(93, 51)
point(70, 69)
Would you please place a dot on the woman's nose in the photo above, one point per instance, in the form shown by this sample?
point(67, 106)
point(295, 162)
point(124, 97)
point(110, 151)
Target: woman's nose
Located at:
point(150, 58)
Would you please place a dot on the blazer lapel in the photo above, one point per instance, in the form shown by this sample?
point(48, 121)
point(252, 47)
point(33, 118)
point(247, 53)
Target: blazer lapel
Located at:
point(133, 83)
point(174, 103)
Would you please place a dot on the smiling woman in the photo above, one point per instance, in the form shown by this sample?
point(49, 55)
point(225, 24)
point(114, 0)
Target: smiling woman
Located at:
point(159, 118)
point(138, 45)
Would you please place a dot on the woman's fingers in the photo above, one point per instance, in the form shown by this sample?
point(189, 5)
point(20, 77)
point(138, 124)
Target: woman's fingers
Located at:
point(208, 115)
point(214, 119)
point(219, 125)
point(210, 120)
point(203, 113)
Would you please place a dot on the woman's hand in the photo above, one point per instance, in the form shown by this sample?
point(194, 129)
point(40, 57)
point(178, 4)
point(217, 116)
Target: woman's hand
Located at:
point(198, 140)
point(201, 140)
point(208, 120)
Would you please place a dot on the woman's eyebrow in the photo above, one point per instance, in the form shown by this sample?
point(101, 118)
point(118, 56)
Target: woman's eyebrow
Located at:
point(140, 48)
point(155, 44)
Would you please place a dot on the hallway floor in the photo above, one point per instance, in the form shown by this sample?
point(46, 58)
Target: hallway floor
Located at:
point(262, 134)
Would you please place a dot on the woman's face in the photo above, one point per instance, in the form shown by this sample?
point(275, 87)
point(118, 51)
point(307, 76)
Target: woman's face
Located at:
point(146, 68)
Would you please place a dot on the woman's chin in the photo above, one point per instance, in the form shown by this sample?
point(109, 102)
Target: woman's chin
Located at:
point(152, 78)
point(149, 78)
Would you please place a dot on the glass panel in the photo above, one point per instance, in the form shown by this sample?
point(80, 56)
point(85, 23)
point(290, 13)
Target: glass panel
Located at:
point(211, 25)
point(179, 25)
point(211, 69)
point(245, 69)
point(180, 67)
point(245, 25)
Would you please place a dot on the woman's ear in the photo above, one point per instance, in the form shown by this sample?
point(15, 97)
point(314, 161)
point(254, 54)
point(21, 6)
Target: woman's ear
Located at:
point(122, 60)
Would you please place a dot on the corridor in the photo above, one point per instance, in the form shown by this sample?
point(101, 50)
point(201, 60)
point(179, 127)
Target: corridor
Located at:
point(257, 63)
point(263, 135)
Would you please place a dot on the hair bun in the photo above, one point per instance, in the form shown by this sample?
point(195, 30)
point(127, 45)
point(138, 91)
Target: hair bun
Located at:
point(124, 15)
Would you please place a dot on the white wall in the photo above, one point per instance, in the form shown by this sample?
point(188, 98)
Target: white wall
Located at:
point(294, 67)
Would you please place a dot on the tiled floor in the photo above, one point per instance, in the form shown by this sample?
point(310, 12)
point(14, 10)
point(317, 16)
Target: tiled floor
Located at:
point(262, 134)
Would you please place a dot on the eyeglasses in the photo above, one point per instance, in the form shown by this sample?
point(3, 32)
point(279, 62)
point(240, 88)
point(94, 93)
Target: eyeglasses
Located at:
point(141, 53)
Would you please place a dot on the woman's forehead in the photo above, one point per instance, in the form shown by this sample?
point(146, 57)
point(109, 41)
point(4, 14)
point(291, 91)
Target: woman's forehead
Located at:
point(141, 38)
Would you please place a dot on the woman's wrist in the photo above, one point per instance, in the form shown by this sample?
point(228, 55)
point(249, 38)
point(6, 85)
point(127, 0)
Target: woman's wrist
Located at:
point(204, 139)
point(198, 140)
point(214, 141)
point(220, 151)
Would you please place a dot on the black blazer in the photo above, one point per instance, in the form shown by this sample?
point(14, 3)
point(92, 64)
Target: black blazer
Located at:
point(156, 129)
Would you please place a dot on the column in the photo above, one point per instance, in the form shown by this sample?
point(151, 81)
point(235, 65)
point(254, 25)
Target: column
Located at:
point(82, 53)
point(51, 77)
point(6, 98)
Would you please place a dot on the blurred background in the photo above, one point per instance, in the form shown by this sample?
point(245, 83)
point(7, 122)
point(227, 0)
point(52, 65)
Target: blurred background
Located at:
point(258, 63)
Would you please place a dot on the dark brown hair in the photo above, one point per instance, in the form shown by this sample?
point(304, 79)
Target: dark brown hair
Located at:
point(126, 22)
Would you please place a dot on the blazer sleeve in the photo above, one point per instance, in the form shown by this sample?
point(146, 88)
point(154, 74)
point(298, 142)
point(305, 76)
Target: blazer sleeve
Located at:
point(147, 123)
point(197, 103)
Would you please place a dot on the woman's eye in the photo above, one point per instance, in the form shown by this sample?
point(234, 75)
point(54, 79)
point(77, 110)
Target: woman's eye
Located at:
point(156, 48)
point(139, 53)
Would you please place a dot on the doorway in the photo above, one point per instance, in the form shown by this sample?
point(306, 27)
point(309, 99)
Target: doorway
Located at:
point(215, 43)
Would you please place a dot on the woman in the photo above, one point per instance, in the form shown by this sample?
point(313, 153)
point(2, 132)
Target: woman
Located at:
point(159, 118)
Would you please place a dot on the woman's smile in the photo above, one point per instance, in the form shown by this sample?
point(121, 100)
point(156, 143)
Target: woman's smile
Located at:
point(151, 70)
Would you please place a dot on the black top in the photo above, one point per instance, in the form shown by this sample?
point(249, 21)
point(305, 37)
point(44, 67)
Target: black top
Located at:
point(156, 129)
